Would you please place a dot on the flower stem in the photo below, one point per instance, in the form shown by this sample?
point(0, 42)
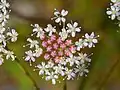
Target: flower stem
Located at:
point(27, 74)
point(65, 86)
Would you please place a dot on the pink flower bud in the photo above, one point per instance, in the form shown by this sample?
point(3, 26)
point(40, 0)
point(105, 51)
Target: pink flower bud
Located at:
point(62, 46)
point(68, 42)
point(57, 59)
point(53, 54)
point(59, 40)
point(67, 52)
point(60, 53)
point(72, 49)
point(53, 38)
point(44, 44)
point(55, 46)
point(49, 42)
point(49, 49)
point(47, 56)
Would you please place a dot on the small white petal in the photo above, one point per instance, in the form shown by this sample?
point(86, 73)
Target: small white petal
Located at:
point(69, 25)
point(73, 34)
point(113, 1)
point(78, 29)
point(90, 45)
point(57, 20)
point(95, 40)
point(109, 12)
point(55, 76)
point(85, 44)
point(64, 13)
point(63, 19)
point(35, 30)
point(87, 36)
point(1, 61)
point(78, 48)
point(75, 24)
point(33, 59)
point(56, 13)
point(92, 34)
point(112, 8)
point(27, 58)
point(113, 17)
point(41, 72)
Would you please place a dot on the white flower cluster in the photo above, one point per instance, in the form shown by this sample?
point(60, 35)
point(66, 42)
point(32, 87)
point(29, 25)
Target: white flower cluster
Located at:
point(114, 10)
point(6, 34)
point(63, 55)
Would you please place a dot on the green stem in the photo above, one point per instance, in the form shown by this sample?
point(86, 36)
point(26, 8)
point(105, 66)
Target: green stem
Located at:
point(28, 75)
point(108, 75)
point(65, 86)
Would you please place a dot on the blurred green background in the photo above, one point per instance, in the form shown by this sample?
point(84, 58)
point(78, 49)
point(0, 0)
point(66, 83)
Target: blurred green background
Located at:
point(91, 15)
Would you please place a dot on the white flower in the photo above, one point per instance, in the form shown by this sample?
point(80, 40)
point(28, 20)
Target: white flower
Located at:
point(38, 30)
point(90, 40)
point(9, 54)
point(69, 73)
point(13, 34)
point(38, 52)
point(4, 5)
point(81, 70)
point(3, 18)
point(30, 56)
point(59, 69)
point(73, 28)
point(50, 29)
point(72, 60)
point(52, 76)
point(1, 60)
point(83, 58)
point(63, 34)
point(33, 43)
point(79, 44)
point(113, 12)
point(43, 68)
point(60, 16)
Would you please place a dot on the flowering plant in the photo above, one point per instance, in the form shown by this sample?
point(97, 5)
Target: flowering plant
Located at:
point(61, 49)
point(114, 10)
point(6, 34)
